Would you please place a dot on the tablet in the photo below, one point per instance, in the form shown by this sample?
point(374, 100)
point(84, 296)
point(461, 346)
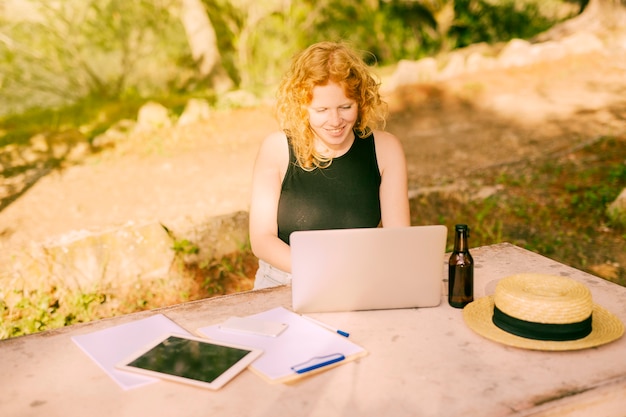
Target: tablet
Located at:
point(191, 360)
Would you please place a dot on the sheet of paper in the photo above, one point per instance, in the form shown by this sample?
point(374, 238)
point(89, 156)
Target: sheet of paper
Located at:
point(110, 346)
point(301, 342)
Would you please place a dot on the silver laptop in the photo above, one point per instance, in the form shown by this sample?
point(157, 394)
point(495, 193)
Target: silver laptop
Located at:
point(367, 269)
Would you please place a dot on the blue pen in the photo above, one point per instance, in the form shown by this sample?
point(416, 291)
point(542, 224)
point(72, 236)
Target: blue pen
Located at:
point(341, 332)
point(317, 362)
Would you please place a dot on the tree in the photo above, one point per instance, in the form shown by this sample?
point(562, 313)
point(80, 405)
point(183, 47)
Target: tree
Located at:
point(203, 43)
point(599, 16)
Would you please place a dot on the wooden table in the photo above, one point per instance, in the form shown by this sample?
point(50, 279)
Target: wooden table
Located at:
point(421, 362)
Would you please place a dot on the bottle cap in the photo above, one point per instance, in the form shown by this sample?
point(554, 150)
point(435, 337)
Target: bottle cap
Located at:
point(462, 228)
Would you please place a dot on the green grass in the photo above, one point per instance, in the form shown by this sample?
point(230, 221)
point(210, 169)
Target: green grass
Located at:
point(23, 312)
point(555, 207)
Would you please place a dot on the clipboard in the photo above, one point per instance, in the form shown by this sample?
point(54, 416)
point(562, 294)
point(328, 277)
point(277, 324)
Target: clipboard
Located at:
point(303, 348)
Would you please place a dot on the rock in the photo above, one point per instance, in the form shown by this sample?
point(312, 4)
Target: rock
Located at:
point(516, 53)
point(548, 51)
point(617, 209)
point(115, 134)
point(454, 67)
point(78, 152)
point(96, 260)
point(214, 236)
point(582, 43)
point(414, 72)
point(30, 157)
point(195, 111)
point(152, 116)
point(69, 144)
point(39, 143)
point(476, 62)
point(89, 261)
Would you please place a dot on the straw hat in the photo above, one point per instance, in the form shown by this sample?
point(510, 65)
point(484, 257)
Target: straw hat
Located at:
point(542, 312)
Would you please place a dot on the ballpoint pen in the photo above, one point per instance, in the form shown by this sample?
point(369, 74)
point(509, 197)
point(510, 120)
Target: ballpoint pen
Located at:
point(318, 362)
point(341, 332)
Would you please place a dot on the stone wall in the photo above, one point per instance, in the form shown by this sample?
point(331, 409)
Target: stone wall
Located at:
point(481, 57)
point(91, 260)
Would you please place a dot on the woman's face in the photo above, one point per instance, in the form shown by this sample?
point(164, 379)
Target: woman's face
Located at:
point(332, 116)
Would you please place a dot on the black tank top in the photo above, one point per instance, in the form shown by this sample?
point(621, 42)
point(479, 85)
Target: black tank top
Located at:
point(341, 196)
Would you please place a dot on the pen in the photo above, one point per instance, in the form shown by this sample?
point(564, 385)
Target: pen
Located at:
point(341, 332)
point(318, 362)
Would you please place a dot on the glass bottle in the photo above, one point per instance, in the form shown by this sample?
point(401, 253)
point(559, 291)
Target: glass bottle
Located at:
point(460, 270)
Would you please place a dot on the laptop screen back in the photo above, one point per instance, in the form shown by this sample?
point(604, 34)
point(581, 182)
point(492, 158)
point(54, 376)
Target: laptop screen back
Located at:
point(367, 269)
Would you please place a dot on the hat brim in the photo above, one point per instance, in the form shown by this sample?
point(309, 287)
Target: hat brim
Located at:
point(606, 328)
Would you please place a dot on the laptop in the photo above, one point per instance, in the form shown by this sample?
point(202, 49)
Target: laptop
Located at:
point(367, 269)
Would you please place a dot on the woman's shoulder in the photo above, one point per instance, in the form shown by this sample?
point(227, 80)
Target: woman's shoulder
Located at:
point(388, 147)
point(385, 140)
point(274, 149)
point(275, 142)
point(275, 139)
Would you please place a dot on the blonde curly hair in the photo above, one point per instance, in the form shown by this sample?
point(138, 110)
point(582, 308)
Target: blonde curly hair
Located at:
point(317, 65)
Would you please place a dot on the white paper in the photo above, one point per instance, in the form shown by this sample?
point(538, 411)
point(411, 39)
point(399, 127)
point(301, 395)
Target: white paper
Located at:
point(110, 346)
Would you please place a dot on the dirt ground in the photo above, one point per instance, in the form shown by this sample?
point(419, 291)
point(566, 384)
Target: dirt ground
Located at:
point(450, 130)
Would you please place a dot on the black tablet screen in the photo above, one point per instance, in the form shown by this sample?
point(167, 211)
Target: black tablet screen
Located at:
point(191, 359)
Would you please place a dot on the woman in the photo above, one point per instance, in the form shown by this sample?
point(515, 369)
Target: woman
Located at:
point(326, 168)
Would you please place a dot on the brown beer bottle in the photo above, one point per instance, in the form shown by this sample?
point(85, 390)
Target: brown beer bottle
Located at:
point(460, 270)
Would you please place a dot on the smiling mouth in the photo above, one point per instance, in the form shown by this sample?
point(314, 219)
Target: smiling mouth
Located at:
point(335, 131)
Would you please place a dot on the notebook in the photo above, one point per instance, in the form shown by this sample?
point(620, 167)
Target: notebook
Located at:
point(367, 269)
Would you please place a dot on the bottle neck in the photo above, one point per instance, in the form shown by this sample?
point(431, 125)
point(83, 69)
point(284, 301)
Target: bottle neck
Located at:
point(460, 241)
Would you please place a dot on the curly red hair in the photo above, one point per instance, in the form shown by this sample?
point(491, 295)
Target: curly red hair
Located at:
point(317, 65)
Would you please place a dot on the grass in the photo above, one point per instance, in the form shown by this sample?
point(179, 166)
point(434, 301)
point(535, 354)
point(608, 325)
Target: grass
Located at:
point(25, 312)
point(555, 206)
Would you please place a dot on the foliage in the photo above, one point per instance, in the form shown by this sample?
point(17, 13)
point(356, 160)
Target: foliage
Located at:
point(44, 309)
point(390, 30)
point(74, 49)
point(181, 247)
point(483, 21)
point(555, 207)
point(231, 273)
